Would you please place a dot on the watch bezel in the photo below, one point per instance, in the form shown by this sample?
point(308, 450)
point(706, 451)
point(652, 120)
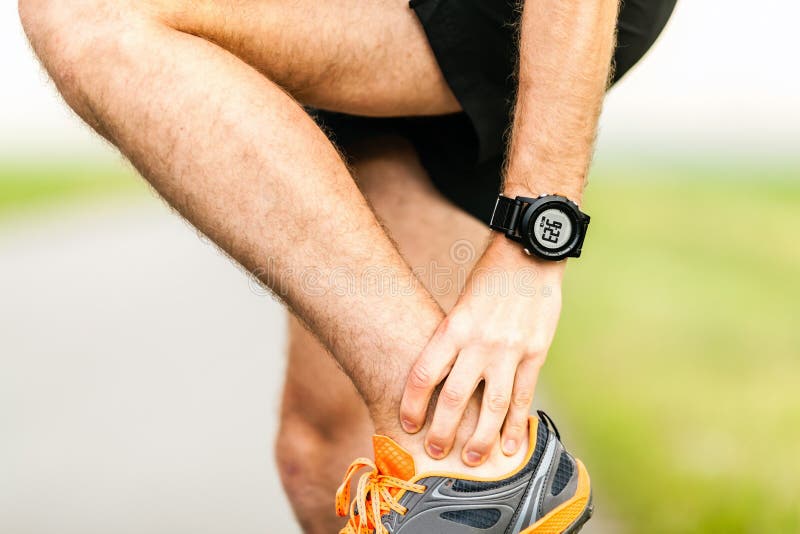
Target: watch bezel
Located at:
point(531, 213)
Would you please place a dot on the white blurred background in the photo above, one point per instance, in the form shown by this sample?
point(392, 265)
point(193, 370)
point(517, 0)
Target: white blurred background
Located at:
point(724, 75)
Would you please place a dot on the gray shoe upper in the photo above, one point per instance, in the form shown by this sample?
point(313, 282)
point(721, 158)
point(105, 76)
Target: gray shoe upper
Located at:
point(505, 506)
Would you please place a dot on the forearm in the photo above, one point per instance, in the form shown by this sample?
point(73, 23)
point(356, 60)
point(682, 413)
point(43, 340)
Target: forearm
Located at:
point(564, 63)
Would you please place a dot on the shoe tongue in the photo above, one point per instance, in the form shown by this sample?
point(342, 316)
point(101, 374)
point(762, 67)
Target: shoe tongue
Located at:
point(392, 459)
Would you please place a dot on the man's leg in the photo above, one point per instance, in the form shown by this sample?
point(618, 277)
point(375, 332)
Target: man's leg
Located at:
point(240, 159)
point(325, 423)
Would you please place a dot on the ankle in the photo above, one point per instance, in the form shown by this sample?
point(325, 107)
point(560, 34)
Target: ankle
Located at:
point(496, 464)
point(387, 422)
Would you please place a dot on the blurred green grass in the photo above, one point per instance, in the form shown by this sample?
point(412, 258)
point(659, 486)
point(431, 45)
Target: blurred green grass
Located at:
point(27, 186)
point(677, 362)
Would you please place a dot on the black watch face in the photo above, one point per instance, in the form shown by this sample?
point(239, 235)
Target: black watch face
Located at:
point(552, 229)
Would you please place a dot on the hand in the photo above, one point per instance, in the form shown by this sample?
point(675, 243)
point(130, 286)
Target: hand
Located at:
point(498, 332)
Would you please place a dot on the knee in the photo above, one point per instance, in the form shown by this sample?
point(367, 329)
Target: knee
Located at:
point(38, 18)
point(34, 13)
point(78, 33)
point(306, 432)
point(64, 34)
point(298, 448)
point(310, 465)
point(53, 25)
point(312, 445)
point(82, 43)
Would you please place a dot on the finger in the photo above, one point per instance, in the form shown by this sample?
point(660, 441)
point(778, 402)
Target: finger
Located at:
point(515, 430)
point(432, 366)
point(494, 407)
point(453, 399)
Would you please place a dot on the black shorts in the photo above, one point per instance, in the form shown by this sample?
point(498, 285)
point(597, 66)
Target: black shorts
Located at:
point(474, 42)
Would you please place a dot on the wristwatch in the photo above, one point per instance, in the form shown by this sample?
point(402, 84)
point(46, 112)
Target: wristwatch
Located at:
point(551, 227)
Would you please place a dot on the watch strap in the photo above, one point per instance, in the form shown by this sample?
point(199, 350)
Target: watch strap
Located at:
point(505, 216)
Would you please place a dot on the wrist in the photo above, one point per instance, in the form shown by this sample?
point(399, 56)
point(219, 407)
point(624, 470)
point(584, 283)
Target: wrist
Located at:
point(508, 255)
point(534, 188)
point(522, 277)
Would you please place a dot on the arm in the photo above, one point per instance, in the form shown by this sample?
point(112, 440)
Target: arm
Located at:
point(502, 339)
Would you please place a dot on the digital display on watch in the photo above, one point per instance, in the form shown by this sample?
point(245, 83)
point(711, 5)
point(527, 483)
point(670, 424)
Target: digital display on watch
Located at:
point(552, 229)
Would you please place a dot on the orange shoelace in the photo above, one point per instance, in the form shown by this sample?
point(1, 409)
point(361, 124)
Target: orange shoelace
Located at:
point(375, 496)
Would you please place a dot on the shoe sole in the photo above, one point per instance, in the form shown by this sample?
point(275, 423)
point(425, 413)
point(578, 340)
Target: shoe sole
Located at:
point(569, 517)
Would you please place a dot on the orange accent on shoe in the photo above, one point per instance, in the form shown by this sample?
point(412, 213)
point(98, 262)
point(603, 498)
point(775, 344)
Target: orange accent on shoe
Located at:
point(562, 517)
point(377, 490)
point(392, 459)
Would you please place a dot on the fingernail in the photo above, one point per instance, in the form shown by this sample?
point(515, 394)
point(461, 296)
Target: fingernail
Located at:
point(435, 451)
point(408, 426)
point(510, 446)
point(473, 457)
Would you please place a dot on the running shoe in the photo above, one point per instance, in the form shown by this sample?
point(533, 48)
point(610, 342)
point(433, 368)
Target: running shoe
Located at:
point(550, 493)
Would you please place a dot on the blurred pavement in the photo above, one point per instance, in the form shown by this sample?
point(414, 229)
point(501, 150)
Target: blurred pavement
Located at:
point(139, 380)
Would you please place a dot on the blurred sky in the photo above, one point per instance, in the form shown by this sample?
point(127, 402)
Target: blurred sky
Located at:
point(723, 79)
